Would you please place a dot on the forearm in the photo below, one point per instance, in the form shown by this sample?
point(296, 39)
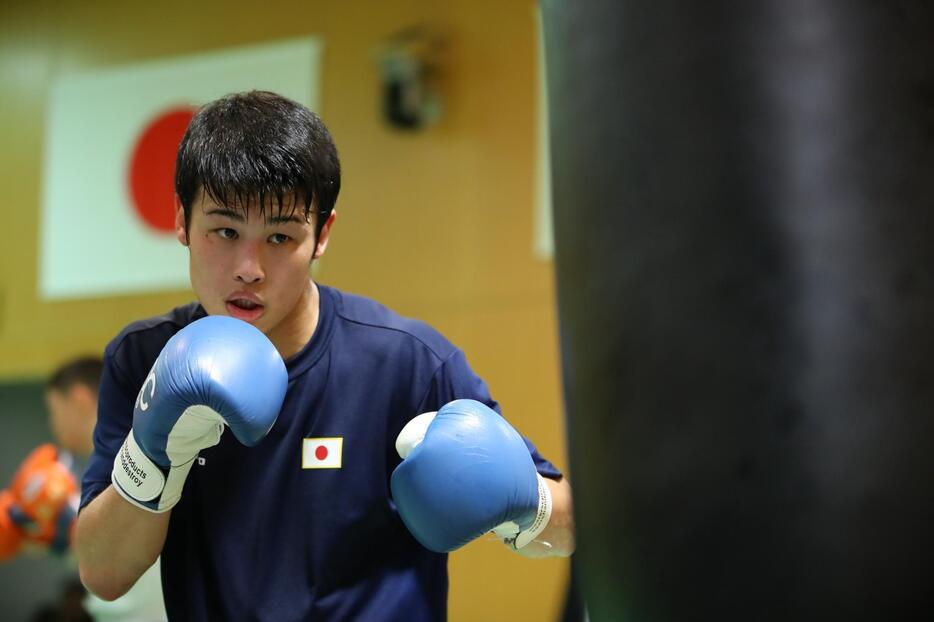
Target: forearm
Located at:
point(116, 542)
point(557, 539)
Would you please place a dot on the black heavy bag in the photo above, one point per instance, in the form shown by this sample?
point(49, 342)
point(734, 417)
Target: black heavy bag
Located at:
point(744, 218)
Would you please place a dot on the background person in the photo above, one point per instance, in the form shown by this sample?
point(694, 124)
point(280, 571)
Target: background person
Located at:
point(71, 398)
point(37, 511)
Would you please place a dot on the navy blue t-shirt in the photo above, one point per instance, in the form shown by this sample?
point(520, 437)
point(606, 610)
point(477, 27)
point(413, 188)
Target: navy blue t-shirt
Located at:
point(256, 536)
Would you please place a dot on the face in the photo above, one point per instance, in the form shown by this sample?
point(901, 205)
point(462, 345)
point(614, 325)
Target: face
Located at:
point(71, 417)
point(255, 267)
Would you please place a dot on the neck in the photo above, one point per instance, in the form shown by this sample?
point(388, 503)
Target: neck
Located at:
point(86, 446)
point(296, 330)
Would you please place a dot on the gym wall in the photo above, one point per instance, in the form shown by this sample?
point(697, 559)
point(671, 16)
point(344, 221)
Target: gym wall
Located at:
point(436, 224)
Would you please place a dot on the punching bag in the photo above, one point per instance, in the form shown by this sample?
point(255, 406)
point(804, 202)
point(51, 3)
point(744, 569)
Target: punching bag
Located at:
point(744, 223)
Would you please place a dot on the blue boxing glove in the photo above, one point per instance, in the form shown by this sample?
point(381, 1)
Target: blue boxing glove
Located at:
point(216, 371)
point(466, 471)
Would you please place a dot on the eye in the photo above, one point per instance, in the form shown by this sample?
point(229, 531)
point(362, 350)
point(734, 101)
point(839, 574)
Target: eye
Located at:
point(226, 233)
point(279, 238)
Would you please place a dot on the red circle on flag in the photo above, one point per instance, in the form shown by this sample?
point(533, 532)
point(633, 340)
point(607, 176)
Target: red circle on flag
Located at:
point(152, 168)
point(321, 452)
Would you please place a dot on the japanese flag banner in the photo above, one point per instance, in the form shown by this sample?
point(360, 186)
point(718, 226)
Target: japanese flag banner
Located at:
point(111, 135)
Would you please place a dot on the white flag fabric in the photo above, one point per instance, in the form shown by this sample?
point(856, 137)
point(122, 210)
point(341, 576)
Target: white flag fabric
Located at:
point(322, 453)
point(104, 229)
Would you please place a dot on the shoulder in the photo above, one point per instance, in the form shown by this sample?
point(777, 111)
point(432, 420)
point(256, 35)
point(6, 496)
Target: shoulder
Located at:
point(376, 323)
point(136, 347)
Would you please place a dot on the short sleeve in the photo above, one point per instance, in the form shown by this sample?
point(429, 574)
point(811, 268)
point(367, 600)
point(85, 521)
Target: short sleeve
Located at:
point(456, 380)
point(114, 421)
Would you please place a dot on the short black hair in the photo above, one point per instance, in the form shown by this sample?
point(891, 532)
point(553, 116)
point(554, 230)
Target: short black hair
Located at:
point(255, 148)
point(84, 370)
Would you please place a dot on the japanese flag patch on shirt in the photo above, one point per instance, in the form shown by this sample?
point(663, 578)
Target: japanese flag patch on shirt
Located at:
point(322, 453)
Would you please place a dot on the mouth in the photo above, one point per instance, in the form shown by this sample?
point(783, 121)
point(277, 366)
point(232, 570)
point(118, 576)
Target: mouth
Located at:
point(245, 308)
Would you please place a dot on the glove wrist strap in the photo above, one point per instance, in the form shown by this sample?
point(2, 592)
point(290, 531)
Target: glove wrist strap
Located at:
point(141, 481)
point(542, 516)
point(517, 538)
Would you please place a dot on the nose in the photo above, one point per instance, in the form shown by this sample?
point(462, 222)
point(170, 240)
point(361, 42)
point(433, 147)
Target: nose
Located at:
point(249, 266)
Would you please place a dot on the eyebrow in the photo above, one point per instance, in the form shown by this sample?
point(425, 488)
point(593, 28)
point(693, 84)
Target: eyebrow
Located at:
point(239, 217)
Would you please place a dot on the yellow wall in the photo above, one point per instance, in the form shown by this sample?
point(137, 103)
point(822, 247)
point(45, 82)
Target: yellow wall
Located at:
point(437, 224)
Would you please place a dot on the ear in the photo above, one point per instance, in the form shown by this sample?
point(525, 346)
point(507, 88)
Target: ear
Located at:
point(325, 235)
point(180, 231)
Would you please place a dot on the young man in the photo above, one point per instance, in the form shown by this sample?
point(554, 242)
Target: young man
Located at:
point(310, 523)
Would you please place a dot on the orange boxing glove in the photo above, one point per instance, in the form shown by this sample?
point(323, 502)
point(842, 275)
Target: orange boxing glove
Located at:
point(11, 538)
point(45, 496)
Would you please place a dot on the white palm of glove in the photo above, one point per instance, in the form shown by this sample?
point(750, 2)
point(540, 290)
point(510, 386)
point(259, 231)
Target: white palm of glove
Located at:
point(199, 427)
